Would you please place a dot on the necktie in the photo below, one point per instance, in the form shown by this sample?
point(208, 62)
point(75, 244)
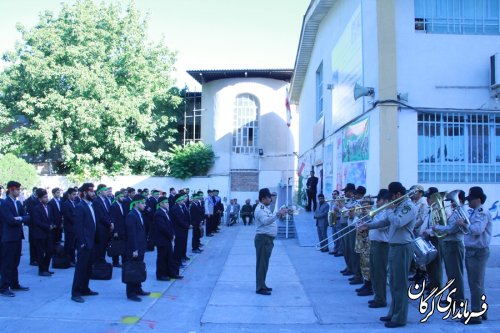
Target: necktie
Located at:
point(15, 205)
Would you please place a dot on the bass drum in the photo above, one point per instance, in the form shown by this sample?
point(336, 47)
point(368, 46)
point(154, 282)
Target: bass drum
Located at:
point(424, 251)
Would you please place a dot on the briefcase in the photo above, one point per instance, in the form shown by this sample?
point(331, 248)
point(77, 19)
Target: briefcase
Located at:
point(102, 271)
point(60, 261)
point(134, 271)
point(116, 247)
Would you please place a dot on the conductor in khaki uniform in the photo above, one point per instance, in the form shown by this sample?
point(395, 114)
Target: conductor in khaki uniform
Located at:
point(266, 231)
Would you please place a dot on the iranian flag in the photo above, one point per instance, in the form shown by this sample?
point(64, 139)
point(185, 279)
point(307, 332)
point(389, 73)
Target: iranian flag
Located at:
point(288, 111)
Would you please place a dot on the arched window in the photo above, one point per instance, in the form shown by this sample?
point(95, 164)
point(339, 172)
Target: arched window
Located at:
point(245, 124)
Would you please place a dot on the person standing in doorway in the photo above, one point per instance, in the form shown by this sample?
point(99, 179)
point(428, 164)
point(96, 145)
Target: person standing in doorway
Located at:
point(312, 184)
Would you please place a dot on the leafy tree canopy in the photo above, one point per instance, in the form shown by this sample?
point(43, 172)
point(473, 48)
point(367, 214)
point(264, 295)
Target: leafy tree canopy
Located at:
point(194, 159)
point(86, 89)
point(14, 168)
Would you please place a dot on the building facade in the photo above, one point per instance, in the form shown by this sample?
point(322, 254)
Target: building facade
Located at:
point(243, 117)
point(427, 110)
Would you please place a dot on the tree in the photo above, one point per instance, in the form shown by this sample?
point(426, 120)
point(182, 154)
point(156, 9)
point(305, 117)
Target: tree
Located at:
point(14, 168)
point(87, 87)
point(194, 159)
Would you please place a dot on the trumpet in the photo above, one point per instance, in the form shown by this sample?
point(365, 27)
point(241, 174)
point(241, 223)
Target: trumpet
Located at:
point(438, 214)
point(345, 211)
point(341, 198)
point(362, 220)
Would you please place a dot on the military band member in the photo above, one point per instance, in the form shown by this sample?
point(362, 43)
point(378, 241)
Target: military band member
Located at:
point(349, 203)
point(401, 221)
point(362, 247)
point(420, 203)
point(477, 248)
point(454, 251)
point(338, 244)
point(379, 253)
point(321, 217)
point(350, 238)
point(434, 268)
point(266, 231)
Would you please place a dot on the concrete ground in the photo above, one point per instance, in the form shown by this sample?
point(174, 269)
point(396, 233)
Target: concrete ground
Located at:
point(218, 295)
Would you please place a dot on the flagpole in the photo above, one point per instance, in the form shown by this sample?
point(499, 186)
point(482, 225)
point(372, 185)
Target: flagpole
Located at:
point(288, 123)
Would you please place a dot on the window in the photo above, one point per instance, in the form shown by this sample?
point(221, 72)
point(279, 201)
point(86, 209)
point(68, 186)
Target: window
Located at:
point(245, 124)
point(458, 147)
point(471, 17)
point(319, 92)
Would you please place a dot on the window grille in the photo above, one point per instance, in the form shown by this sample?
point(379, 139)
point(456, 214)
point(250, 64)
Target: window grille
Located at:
point(468, 17)
point(458, 147)
point(245, 124)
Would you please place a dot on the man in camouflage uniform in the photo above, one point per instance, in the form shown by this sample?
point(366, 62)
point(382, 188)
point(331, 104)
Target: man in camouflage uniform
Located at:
point(362, 246)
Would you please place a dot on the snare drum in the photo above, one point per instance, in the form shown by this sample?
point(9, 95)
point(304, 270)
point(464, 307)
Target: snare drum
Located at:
point(424, 251)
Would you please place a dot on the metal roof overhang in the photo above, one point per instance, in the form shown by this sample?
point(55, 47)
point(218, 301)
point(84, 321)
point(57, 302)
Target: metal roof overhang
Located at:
point(205, 76)
point(314, 15)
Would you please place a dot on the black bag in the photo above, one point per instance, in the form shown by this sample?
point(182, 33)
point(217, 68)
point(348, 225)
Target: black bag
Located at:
point(133, 271)
point(59, 261)
point(102, 271)
point(116, 247)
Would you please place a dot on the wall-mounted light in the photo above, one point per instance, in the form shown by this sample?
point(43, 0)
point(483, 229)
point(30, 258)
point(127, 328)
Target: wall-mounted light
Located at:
point(261, 152)
point(403, 97)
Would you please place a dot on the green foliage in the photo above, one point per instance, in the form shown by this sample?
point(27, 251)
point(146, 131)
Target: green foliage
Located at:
point(88, 86)
point(194, 159)
point(14, 168)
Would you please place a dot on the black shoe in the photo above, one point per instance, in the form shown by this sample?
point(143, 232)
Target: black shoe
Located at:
point(143, 293)
point(352, 278)
point(366, 292)
point(90, 293)
point(21, 288)
point(356, 281)
point(345, 270)
point(177, 277)
point(375, 305)
point(78, 299)
point(338, 255)
point(269, 289)
point(472, 321)
point(385, 318)
point(7, 293)
point(135, 298)
point(332, 253)
point(210, 235)
point(372, 301)
point(484, 317)
point(348, 273)
point(196, 251)
point(163, 278)
point(360, 288)
point(117, 265)
point(263, 292)
point(44, 274)
point(390, 324)
point(324, 250)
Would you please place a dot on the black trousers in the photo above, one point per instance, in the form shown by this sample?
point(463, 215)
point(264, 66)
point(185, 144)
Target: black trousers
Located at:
point(83, 269)
point(311, 198)
point(11, 256)
point(69, 245)
point(44, 250)
point(165, 265)
point(180, 246)
point(209, 224)
point(195, 241)
point(247, 217)
point(133, 289)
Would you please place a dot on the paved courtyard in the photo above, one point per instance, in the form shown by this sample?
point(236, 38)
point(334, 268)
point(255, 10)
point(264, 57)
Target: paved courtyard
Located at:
point(217, 295)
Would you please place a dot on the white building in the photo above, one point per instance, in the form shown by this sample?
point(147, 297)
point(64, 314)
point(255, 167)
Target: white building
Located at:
point(446, 133)
point(243, 117)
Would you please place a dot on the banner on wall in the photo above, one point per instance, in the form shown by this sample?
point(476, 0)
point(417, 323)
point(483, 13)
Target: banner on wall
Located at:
point(355, 173)
point(355, 139)
point(328, 167)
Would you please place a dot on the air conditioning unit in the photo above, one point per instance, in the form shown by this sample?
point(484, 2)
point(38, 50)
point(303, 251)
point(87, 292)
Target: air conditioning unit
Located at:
point(495, 74)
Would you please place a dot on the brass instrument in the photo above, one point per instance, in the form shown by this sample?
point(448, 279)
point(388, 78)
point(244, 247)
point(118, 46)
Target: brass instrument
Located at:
point(332, 218)
point(459, 210)
point(438, 212)
point(363, 220)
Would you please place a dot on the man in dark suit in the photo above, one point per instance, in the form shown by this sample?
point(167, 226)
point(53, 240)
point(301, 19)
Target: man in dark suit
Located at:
point(43, 227)
point(56, 215)
point(163, 235)
point(197, 213)
point(68, 210)
point(104, 224)
point(136, 243)
point(150, 210)
point(127, 199)
point(13, 217)
point(312, 188)
point(28, 204)
point(85, 232)
point(171, 197)
point(180, 219)
point(118, 215)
